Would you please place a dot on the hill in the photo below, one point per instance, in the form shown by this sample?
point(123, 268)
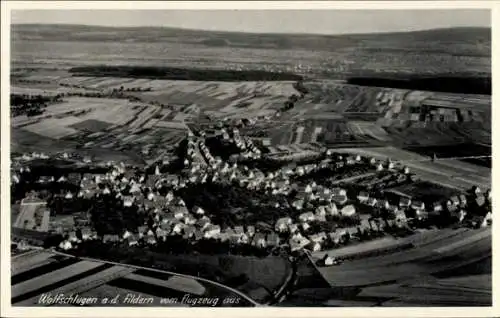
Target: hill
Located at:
point(463, 41)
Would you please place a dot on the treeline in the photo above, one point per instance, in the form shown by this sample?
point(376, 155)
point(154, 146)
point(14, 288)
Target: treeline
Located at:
point(448, 84)
point(171, 73)
point(299, 87)
point(30, 105)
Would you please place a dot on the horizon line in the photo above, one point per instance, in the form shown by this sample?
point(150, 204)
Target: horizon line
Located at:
point(247, 32)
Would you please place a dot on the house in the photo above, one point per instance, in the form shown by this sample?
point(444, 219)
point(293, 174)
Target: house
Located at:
point(338, 192)
point(371, 202)
point(190, 220)
point(337, 237)
point(72, 237)
point(189, 232)
point(86, 233)
point(305, 226)
point(400, 218)
point(323, 196)
point(282, 224)
point(293, 228)
point(460, 215)
point(320, 218)
point(350, 160)
point(314, 246)
point(455, 200)
point(177, 228)
point(128, 201)
point(487, 195)
point(150, 239)
point(298, 204)
point(297, 243)
point(180, 202)
point(308, 189)
point(142, 230)
point(179, 212)
point(318, 237)
point(159, 203)
point(476, 190)
point(251, 230)
point(487, 220)
point(405, 202)
point(168, 217)
point(110, 238)
point(198, 210)
point(147, 204)
point(363, 196)
point(65, 245)
point(329, 260)
point(126, 234)
point(449, 205)
point(331, 209)
point(259, 240)
point(229, 231)
point(135, 188)
point(152, 180)
point(272, 239)
point(418, 205)
point(307, 216)
point(133, 240)
point(479, 200)
point(382, 204)
point(223, 236)
point(463, 200)
point(422, 214)
point(238, 230)
point(394, 209)
point(161, 232)
point(202, 223)
point(348, 210)
point(166, 227)
point(243, 238)
point(212, 231)
point(320, 211)
point(198, 235)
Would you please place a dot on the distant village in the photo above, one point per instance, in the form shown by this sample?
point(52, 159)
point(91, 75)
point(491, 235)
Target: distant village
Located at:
point(149, 209)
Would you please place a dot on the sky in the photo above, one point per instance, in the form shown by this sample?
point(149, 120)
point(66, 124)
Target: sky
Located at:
point(266, 21)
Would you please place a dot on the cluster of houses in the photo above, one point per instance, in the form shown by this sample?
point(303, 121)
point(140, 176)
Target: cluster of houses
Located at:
point(312, 202)
point(247, 148)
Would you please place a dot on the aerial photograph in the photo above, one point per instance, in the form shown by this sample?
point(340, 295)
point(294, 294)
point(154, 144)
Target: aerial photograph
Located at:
point(250, 158)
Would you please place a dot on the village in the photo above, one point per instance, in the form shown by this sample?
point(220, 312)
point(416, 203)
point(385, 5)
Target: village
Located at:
point(129, 207)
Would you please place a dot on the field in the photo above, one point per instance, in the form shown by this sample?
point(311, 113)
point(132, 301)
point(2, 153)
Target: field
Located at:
point(451, 251)
point(448, 173)
point(54, 274)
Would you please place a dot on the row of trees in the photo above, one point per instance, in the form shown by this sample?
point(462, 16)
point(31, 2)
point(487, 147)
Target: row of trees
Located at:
point(31, 105)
